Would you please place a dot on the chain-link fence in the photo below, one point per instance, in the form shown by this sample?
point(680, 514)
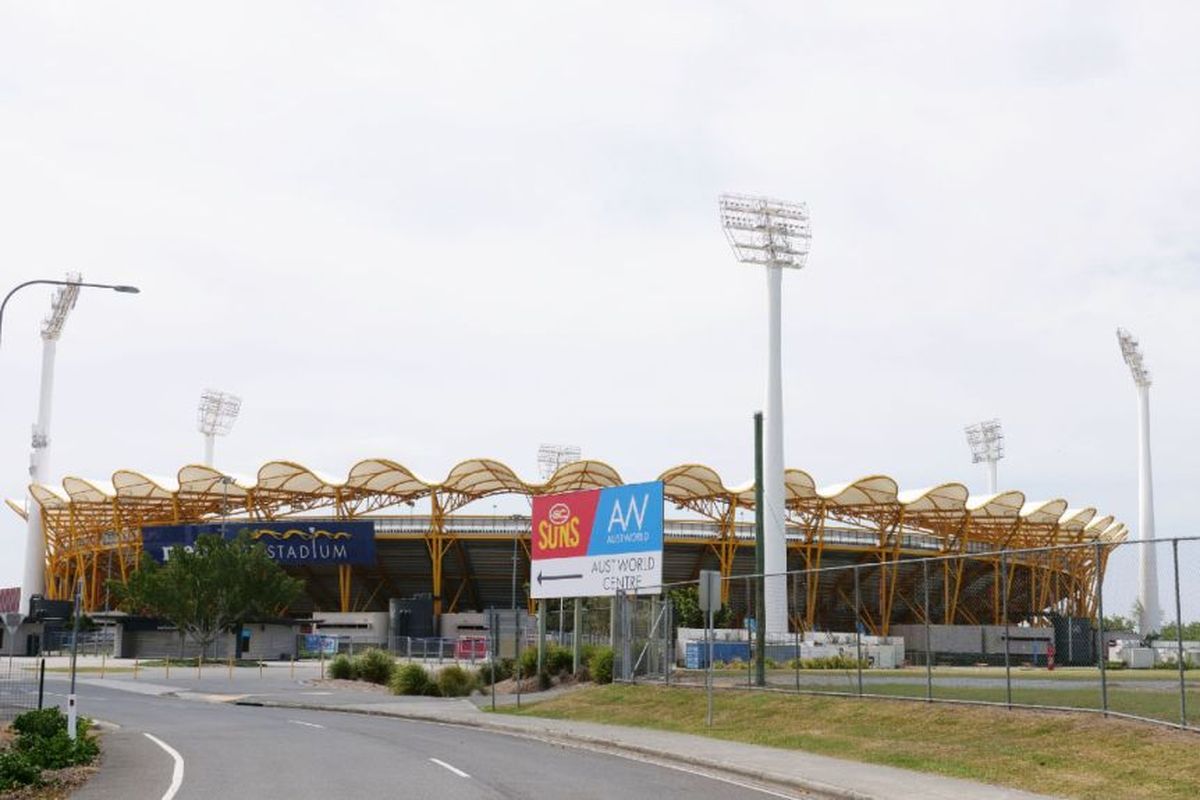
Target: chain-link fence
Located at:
point(20, 686)
point(1044, 628)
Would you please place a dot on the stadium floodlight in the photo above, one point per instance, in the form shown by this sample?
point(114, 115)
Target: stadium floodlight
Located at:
point(774, 234)
point(1149, 611)
point(986, 441)
point(551, 457)
point(215, 417)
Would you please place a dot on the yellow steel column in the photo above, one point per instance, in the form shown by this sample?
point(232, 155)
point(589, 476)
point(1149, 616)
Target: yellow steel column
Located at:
point(436, 550)
point(344, 587)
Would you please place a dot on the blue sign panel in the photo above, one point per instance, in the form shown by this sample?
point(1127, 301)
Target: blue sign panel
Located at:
point(292, 543)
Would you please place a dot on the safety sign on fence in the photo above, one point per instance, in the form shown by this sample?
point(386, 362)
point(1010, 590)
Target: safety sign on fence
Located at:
point(598, 542)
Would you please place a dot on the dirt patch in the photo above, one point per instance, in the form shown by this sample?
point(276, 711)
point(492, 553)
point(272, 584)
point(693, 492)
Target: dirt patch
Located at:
point(350, 686)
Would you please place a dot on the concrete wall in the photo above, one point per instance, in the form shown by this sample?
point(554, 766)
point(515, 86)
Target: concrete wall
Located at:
point(359, 627)
point(267, 642)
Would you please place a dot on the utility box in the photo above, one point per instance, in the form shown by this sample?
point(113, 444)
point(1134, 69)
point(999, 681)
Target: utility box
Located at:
point(1139, 657)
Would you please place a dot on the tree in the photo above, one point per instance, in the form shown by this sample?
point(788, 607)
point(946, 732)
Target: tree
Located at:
point(685, 609)
point(1118, 623)
point(210, 589)
point(1191, 632)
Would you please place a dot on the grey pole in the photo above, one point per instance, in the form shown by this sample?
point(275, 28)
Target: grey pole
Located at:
point(541, 642)
point(760, 556)
point(709, 673)
point(928, 638)
point(576, 646)
point(1179, 636)
point(1101, 644)
point(796, 635)
point(858, 631)
point(72, 711)
point(1004, 613)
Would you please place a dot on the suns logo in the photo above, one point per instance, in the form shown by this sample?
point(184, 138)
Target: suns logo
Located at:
point(560, 528)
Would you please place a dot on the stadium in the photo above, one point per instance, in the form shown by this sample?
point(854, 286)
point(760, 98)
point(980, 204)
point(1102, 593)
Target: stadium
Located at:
point(465, 560)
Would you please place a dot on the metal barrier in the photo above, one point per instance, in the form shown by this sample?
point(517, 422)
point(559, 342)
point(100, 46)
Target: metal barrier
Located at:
point(21, 686)
point(1030, 628)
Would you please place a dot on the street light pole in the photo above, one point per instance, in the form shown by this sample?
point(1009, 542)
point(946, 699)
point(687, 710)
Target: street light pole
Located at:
point(34, 574)
point(115, 287)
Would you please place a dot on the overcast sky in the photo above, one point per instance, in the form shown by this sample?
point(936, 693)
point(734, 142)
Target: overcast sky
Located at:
point(438, 231)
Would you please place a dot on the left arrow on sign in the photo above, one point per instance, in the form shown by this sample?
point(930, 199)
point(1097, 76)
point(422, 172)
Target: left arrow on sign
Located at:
point(542, 577)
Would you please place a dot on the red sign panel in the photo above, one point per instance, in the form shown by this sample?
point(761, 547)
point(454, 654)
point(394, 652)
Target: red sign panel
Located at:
point(562, 524)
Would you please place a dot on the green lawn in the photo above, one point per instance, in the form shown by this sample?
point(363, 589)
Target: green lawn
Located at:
point(1080, 756)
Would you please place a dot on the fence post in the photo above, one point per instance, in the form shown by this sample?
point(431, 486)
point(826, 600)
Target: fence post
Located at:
point(1004, 614)
point(858, 631)
point(41, 683)
point(796, 633)
point(576, 646)
point(1179, 636)
point(1101, 644)
point(928, 637)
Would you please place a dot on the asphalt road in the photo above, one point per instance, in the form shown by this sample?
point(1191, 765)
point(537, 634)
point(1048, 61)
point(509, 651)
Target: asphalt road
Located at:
point(230, 751)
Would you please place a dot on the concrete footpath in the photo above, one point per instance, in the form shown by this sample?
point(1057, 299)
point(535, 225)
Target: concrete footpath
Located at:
point(833, 777)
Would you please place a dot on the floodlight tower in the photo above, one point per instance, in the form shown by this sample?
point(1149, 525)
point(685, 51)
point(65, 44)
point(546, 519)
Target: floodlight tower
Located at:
point(552, 456)
point(986, 441)
point(215, 417)
point(1149, 611)
point(34, 575)
point(776, 235)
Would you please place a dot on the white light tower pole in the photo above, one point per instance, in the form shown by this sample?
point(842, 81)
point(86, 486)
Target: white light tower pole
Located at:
point(1150, 612)
point(776, 235)
point(986, 441)
point(215, 417)
point(34, 577)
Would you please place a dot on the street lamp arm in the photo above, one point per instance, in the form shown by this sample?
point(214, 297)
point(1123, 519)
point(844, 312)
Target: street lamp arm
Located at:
point(115, 287)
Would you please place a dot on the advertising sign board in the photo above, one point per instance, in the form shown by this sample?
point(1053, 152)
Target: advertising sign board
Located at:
point(292, 543)
point(598, 542)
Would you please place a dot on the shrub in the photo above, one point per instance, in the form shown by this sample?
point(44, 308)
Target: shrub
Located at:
point(374, 666)
point(42, 741)
point(44, 722)
point(585, 654)
point(341, 668)
point(454, 681)
point(16, 770)
point(558, 660)
point(1114, 665)
point(411, 679)
point(601, 665)
point(528, 662)
point(504, 671)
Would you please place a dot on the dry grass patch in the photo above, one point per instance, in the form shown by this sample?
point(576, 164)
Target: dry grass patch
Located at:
point(1061, 754)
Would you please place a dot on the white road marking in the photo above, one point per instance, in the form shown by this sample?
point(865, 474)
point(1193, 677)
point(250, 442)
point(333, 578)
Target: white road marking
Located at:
point(177, 772)
point(309, 724)
point(450, 767)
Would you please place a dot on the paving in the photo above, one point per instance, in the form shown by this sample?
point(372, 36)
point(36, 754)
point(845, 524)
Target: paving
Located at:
point(804, 773)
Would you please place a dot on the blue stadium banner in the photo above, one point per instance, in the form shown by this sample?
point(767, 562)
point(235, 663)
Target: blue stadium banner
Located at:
point(293, 543)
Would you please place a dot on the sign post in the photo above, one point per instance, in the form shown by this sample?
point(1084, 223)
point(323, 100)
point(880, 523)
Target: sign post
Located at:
point(12, 623)
point(710, 601)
